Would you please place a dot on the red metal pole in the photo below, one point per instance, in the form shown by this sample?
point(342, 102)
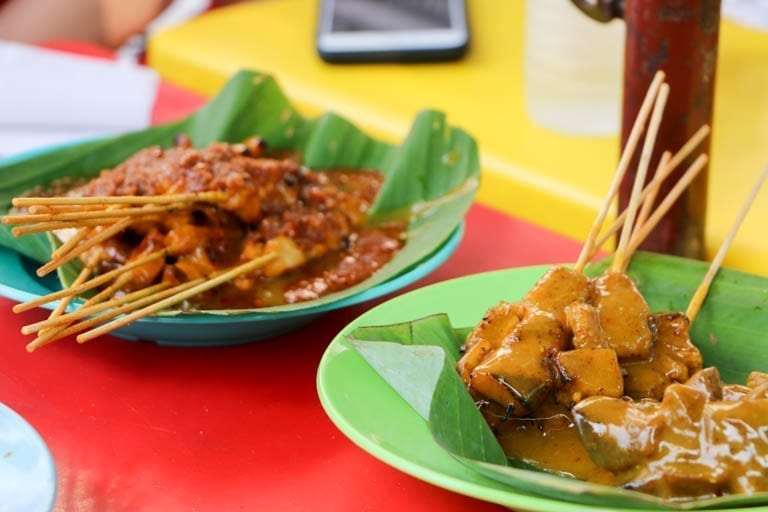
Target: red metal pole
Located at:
point(679, 37)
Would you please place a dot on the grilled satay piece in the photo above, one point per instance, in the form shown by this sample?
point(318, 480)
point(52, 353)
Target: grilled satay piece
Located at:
point(623, 316)
point(556, 289)
point(511, 365)
point(584, 320)
point(618, 433)
point(519, 375)
point(585, 372)
point(488, 335)
point(673, 358)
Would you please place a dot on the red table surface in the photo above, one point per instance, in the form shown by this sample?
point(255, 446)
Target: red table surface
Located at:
point(140, 427)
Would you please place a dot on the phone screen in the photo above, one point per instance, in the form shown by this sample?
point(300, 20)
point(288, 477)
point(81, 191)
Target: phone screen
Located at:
point(380, 15)
point(391, 30)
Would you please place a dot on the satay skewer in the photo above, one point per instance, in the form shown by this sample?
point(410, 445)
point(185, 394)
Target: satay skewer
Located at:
point(219, 279)
point(101, 236)
point(89, 215)
point(676, 191)
point(211, 196)
point(88, 310)
point(156, 292)
point(641, 230)
point(683, 153)
point(93, 304)
point(647, 198)
point(626, 157)
point(54, 213)
point(80, 235)
point(57, 312)
point(92, 283)
point(160, 298)
point(110, 290)
point(43, 208)
point(620, 256)
point(646, 204)
point(42, 227)
point(701, 292)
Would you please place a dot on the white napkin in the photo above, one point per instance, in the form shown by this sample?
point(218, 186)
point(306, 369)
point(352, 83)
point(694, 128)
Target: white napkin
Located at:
point(49, 97)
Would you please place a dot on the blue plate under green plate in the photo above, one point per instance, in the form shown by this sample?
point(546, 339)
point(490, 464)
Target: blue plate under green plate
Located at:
point(18, 281)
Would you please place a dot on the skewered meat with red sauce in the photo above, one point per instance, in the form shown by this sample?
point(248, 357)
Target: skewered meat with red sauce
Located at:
point(271, 206)
point(252, 183)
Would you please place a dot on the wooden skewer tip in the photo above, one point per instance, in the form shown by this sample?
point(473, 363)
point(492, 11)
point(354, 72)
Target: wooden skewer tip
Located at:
point(175, 299)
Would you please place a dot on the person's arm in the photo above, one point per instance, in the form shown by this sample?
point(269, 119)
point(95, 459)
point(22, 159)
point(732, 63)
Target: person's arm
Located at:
point(105, 22)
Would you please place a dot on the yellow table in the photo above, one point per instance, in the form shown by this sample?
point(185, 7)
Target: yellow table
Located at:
point(536, 174)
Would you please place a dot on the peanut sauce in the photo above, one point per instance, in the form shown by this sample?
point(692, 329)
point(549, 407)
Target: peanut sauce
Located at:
point(580, 379)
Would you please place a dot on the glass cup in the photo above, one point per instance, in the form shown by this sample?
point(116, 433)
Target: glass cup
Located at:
point(573, 69)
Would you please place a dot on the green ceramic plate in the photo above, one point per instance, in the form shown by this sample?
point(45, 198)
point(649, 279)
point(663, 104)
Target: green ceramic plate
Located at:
point(376, 418)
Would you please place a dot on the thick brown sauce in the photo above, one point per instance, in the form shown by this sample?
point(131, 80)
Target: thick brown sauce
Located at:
point(580, 379)
point(550, 442)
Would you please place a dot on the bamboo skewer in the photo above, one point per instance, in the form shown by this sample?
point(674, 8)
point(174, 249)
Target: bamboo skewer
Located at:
point(83, 213)
point(179, 297)
point(89, 215)
point(53, 213)
point(701, 292)
point(67, 246)
point(62, 305)
point(634, 137)
point(620, 257)
point(651, 188)
point(683, 153)
point(92, 302)
point(668, 201)
point(110, 290)
point(211, 196)
point(92, 283)
point(57, 333)
point(84, 246)
point(84, 311)
point(691, 144)
point(56, 225)
point(43, 208)
point(647, 203)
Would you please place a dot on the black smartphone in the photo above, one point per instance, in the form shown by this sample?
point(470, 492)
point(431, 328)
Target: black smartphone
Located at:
point(392, 30)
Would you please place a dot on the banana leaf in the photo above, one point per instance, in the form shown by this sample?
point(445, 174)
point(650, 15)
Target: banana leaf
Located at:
point(417, 359)
point(432, 175)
